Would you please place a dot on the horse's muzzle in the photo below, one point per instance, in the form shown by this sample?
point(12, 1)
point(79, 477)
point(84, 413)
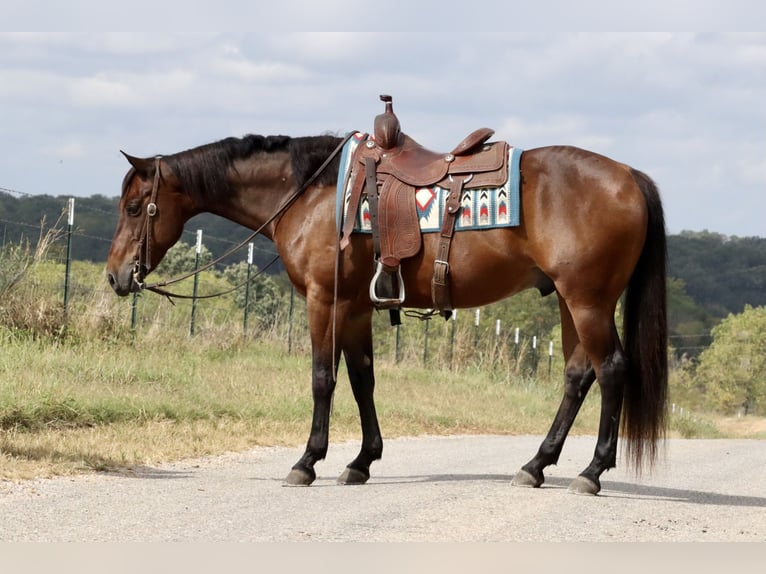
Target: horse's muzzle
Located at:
point(125, 281)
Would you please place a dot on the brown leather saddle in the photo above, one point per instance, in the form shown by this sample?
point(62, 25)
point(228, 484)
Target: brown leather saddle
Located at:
point(389, 169)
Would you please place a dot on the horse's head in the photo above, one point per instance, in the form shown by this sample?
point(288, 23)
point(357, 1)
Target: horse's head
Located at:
point(153, 211)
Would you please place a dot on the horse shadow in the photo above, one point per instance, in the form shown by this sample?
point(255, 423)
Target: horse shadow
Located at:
point(610, 488)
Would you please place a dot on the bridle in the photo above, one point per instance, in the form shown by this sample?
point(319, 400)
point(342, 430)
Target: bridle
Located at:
point(142, 258)
point(144, 241)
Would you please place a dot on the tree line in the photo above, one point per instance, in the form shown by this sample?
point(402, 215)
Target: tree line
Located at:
point(710, 275)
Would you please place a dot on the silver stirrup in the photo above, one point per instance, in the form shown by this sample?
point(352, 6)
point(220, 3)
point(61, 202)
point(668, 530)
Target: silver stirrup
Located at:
point(387, 301)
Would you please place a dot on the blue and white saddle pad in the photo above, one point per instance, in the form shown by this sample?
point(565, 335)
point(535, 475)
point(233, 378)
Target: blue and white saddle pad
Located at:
point(481, 208)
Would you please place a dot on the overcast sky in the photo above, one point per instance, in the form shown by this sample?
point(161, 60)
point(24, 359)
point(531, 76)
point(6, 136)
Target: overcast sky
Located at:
point(689, 109)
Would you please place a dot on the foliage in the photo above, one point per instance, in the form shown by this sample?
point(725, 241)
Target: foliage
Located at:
point(689, 324)
point(182, 258)
point(95, 222)
point(732, 372)
point(21, 307)
point(263, 298)
point(711, 275)
point(720, 273)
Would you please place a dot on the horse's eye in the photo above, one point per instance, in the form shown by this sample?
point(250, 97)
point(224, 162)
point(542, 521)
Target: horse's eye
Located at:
point(133, 208)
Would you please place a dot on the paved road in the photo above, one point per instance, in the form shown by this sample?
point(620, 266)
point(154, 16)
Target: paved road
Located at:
point(425, 489)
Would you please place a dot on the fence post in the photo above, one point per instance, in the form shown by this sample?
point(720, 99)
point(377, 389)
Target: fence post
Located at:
point(425, 343)
point(550, 358)
point(196, 282)
point(70, 225)
point(134, 313)
point(247, 285)
point(290, 322)
point(397, 343)
point(452, 338)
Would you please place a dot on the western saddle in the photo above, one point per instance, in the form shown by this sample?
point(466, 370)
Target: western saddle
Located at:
point(389, 169)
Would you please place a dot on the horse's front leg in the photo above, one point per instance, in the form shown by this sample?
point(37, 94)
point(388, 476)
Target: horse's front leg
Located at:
point(358, 351)
point(325, 355)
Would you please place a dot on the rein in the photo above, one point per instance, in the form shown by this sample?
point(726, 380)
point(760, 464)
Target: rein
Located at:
point(144, 244)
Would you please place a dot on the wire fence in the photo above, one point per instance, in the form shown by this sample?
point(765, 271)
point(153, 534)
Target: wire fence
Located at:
point(430, 342)
point(466, 339)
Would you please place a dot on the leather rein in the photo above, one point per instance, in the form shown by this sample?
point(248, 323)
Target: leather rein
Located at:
point(143, 245)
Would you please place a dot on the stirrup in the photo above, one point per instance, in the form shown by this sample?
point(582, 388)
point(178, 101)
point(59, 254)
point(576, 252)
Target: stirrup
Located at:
point(386, 301)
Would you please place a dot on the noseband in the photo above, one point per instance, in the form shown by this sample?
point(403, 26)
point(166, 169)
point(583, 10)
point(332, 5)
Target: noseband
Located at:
point(143, 257)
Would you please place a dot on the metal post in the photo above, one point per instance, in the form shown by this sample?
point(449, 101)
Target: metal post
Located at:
point(70, 225)
point(397, 346)
point(134, 313)
point(290, 323)
point(452, 338)
point(196, 282)
point(550, 358)
point(247, 284)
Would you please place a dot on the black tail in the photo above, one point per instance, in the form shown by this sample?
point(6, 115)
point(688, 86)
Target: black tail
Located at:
point(645, 332)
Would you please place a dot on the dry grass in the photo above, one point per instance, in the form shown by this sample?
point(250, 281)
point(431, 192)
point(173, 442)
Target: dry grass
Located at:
point(97, 405)
point(742, 427)
point(67, 408)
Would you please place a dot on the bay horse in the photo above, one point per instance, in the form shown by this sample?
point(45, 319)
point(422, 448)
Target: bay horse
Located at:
point(591, 229)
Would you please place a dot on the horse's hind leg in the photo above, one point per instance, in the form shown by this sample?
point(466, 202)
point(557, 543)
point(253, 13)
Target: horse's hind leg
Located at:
point(357, 349)
point(577, 381)
point(601, 342)
point(578, 378)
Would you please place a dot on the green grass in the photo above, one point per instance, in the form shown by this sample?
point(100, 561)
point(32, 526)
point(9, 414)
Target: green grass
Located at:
point(69, 406)
point(81, 392)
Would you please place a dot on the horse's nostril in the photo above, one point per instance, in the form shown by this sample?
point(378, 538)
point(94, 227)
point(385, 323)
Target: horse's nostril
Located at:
point(111, 279)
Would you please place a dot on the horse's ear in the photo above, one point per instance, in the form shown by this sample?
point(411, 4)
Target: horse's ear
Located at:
point(142, 165)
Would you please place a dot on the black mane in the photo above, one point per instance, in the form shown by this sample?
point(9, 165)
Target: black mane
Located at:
point(203, 171)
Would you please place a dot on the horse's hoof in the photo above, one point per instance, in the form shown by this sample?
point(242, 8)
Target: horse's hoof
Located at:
point(526, 480)
point(353, 476)
point(583, 485)
point(299, 477)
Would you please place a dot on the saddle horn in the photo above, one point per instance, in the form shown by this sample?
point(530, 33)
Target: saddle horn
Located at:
point(387, 128)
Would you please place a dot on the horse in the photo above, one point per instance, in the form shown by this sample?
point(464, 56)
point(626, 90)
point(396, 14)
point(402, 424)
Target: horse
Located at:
point(591, 230)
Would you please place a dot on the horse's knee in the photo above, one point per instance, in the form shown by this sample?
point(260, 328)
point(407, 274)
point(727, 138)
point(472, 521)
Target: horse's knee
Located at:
point(322, 384)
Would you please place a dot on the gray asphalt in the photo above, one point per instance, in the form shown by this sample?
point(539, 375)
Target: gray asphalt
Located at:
point(439, 489)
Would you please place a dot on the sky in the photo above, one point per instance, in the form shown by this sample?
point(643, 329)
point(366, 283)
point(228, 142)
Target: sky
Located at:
point(687, 108)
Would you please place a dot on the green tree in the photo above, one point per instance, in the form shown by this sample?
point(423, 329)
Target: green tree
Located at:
point(265, 299)
point(181, 258)
point(732, 371)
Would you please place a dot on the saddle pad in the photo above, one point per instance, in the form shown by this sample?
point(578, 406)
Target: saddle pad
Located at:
point(481, 208)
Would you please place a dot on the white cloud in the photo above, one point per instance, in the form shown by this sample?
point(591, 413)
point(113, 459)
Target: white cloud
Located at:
point(72, 149)
point(260, 72)
point(130, 90)
point(686, 108)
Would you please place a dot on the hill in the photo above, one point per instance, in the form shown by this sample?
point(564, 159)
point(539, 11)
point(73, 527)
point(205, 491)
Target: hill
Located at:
point(711, 274)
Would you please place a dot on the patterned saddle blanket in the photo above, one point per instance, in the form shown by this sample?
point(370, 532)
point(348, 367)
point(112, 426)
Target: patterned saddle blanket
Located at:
point(480, 208)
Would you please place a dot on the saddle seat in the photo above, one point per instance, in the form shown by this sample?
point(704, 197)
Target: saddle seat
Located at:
point(418, 166)
point(402, 157)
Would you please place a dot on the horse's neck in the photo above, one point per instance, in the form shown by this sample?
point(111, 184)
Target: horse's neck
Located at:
point(257, 193)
